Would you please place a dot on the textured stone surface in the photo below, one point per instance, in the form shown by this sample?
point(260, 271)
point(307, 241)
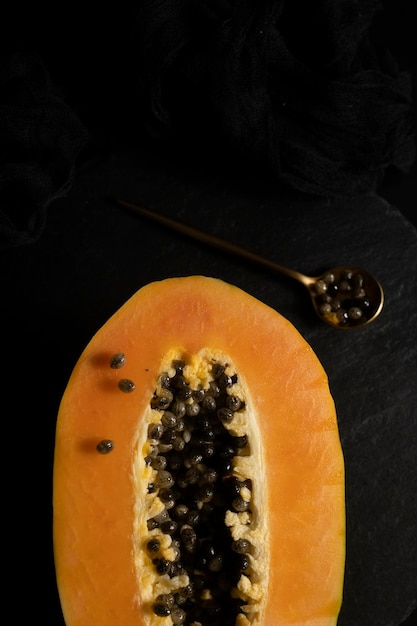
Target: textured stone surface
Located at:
point(93, 255)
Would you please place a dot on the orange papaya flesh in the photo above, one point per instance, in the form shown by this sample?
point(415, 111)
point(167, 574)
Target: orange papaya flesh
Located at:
point(106, 489)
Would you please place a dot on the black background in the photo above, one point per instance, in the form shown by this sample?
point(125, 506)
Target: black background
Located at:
point(92, 256)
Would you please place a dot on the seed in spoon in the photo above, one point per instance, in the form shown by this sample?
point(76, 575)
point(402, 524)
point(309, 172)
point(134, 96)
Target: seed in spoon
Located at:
point(342, 299)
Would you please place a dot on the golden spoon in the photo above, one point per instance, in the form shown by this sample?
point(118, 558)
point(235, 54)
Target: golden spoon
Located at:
point(343, 297)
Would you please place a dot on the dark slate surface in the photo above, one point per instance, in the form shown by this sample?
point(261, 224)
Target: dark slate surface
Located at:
point(93, 255)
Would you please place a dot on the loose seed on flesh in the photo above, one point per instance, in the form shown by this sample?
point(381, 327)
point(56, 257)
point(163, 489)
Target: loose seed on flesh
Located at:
point(105, 446)
point(117, 360)
point(126, 385)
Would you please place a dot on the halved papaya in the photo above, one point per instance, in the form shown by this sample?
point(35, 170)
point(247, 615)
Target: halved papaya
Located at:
point(198, 471)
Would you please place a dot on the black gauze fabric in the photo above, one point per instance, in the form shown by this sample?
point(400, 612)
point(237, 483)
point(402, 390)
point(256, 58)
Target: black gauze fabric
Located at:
point(40, 138)
point(298, 88)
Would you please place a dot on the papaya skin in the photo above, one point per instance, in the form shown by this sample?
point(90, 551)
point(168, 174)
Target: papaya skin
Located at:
point(93, 494)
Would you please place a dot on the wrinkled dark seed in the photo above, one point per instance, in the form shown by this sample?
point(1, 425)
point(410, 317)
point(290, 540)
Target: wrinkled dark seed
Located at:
point(162, 400)
point(184, 393)
point(161, 609)
point(214, 389)
point(217, 370)
point(169, 527)
point(209, 403)
point(178, 443)
point(157, 462)
point(178, 408)
point(209, 476)
point(155, 431)
point(233, 403)
point(228, 452)
point(192, 476)
point(169, 420)
point(192, 409)
point(117, 360)
point(240, 505)
point(167, 497)
point(168, 436)
point(126, 385)
point(166, 598)
point(243, 562)
point(164, 478)
point(161, 517)
point(152, 523)
point(153, 545)
point(105, 446)
point(225, 381)
point(178, 616)
point(216, 563)
point(192, 517)
point(240, 442)
point(165, 380)
point(241, 545)
point(162, 566)
point(225, 414)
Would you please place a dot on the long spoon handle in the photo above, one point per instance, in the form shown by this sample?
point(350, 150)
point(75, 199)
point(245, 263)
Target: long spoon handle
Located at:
point(214, 241)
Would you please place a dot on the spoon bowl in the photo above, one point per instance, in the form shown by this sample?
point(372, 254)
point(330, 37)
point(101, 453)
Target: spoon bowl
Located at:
point(344, 297)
